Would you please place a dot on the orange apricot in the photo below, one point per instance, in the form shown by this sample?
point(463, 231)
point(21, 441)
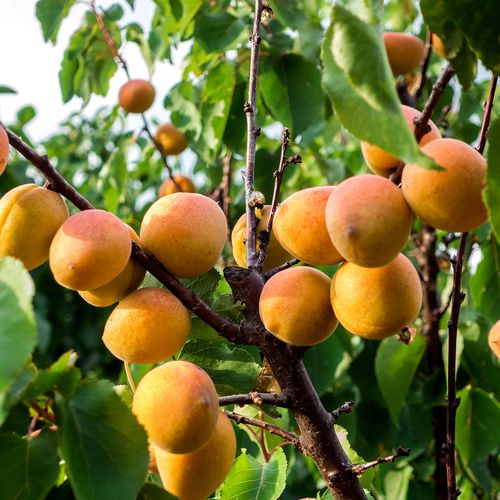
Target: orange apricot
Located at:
point(295, 306)
point(178, 406)
point(494, 339)
point(300, 227)
point(448, 199)
point(4, 149)
point(136, 96)
point(404, 52)
point(29, 219)
point(170, 139)
point(184, 185)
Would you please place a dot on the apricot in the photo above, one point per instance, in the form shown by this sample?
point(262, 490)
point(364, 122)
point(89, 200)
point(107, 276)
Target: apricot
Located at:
point(368, 220)
point(295, 306)
point(376, 303)
point(380, 161)
point(178, 406)
point(147, 326)
point(185, 184)
point(300, 227)
point(494, 339)
point(448, 199)
point(438, 46)
point(136, 96)
point(404, 52)
point(194, 476)
point(186, 232)
point(276, 254)
point(4, 149)
point(170, 139)
point(29, 218)
point(89, 250)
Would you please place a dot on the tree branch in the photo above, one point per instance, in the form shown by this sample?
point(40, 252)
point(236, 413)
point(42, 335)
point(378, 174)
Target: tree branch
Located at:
point(256, 398)
point(487, 115)
point(276, 270)
point(359, 469)
point(347, 407)
point(425, 65)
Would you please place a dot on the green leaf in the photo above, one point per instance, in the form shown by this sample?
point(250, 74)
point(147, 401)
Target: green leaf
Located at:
point(205, 285)
point(232, 369)
point(51, 13)
point(359, 83)
point(396, 483)
point(135, 34)
point(104, 447)
point(395, 366)
point(152, 492)
point(250, 479)
point(28, 466)
point(4, 89)
point(220, 31)
point(25, 115)
point(18, 331)
point(291, 88)
point(492, 192)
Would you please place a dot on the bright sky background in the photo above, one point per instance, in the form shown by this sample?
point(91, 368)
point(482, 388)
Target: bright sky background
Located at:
point(31, 66)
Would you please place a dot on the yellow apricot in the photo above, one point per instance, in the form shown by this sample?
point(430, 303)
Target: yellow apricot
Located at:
point(185, 184)
point(494, 339)
point(376, 303)
point(136, 96)
point(126, 282)
point(4, 149)
point(438, 46)
point(90, 249)
point(186, 232)
point(170, 139)
point(147, 326)
point(379, 161)
point(194, 476)
point(404, 52)
point(29, 218)
point(178, 406)
point(368, 220)
point(295, 306)
point(300, 227)
point(448, 199)
point(276, 254)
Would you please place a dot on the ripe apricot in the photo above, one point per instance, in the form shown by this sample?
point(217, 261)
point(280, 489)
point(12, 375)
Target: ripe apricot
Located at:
point(494, 339)
point(185, 184)
point(136, 96)
point(448, 199)
point(4, 149)
point(178, 406)
point(404, 52)
point(170, 139)
point(376, 303)
point(90, 249)
point(147, 326)
point(29, 218)
point(368, 220)
point(194, 476)
point(300, 227)
point(186, 232)
point(379, 161)
point(276, 254)
point(295, 306)
point(438, 46)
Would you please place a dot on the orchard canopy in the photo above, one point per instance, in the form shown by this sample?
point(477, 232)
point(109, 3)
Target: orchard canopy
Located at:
point(259, 257)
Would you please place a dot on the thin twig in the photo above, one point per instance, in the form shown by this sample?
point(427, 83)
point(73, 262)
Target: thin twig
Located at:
point(425, 65)
point(128, 373)
point(345, 408)
point(487, 115)
point(359, 469)
point(255, 398)
point(276, 270)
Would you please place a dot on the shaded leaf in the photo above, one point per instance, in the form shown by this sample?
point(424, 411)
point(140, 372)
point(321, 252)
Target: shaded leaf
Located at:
point(220, 31)
point(51, 13)
point(492, 192)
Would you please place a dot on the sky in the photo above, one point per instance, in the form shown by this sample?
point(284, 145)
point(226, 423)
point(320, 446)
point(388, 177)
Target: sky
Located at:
point(31, 66)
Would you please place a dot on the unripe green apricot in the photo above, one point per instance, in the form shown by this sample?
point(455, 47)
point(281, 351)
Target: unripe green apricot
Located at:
point(404, 52)
point(194, 476)
point(4, 149)
point(147, 326)
point(178, 406)
point(29, 219)
point(295, 306)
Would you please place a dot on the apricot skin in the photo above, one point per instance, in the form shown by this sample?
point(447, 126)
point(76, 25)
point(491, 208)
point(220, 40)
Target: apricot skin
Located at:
point(494, 339)
point(381, 162)
point(147, 326)
point(178, 406)
point(368, 220)
point(449, 199)
point(186, 232)
point(194, 476)
point(170, 139)
point(136, 96)
point(4, 149)
point(295, 306)
point(185, 184)
point(29, 219)
point(90, 249)
point(376, 303)
point(276, 254)
point(300, 227)
point(404, 52)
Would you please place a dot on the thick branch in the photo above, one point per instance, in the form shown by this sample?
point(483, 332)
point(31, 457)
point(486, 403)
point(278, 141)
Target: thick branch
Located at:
point(255, 398)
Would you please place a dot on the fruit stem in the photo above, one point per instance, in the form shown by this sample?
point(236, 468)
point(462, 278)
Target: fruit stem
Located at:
point(128, 373)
